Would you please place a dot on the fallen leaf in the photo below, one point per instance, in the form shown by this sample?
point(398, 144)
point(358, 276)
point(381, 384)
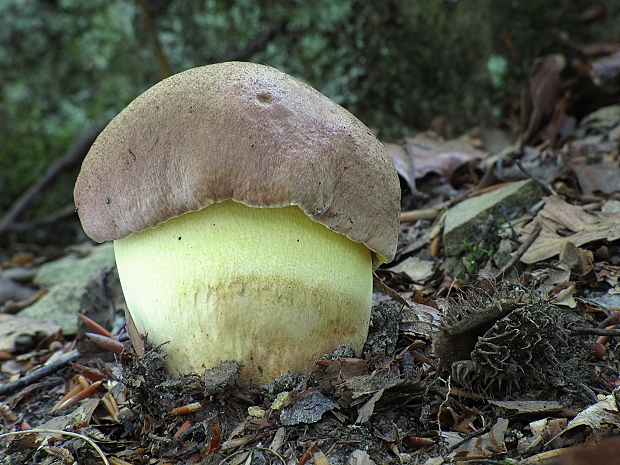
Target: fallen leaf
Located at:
point(488, 445)
point(607, 452)
point(13, 291)
point(545, 91)
point(417, 270)
point(529, 406)
point(605, 73)
point(601, 418)
point(563, 294)
point(360, 457)
point(319, 457)
point(308, 408)
point(430, 154)
point(604, 178)
point(364, 413)
point(579, 260)
point(343, 368)
point(559, 214)
point(420, 320)
point(12, 327)
point(357, 389)
point(402, 163)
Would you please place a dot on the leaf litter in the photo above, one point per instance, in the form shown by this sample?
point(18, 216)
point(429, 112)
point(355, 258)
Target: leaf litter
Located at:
point(471, 361)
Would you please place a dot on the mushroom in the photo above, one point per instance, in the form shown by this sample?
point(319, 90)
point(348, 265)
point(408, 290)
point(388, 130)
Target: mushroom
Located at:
point(247, 212)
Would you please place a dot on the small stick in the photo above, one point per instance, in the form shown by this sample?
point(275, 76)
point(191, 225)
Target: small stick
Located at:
point(66, 433)
point(414, 215)
point(541, 182)
point(60, 214)
point(521, 250)
point(39, 373)
point(388, 290)
point(70, 159)
point(596, 331)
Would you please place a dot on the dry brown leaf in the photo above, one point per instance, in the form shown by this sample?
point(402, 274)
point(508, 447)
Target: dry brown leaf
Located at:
point(319, 457)
point(580, 228)
point(431, 154)
point(343, 368)
point(577, 259)
point(360, 457)
point(13, 291)
point(421, 321)
point(368, 409)
point(487, 445)
point(11, 327)
point(607, 452)
point(417, 270)
point(402, 163)
point(601, 418)
point(545, 91)
point(563, 294)
point(603, 178)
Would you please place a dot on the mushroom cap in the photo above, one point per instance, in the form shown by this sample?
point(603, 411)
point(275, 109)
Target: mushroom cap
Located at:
point(245, 132)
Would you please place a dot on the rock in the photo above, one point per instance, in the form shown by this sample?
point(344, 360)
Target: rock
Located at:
point(76, 285)
point(463, 221)
point(74, 269)
point(13, 328)
point(61, 305)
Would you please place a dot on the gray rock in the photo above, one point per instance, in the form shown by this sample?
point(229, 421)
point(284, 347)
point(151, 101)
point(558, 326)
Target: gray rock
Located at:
point(463, 221)
point(74, 269)
point(61, 305)
point(73, 284)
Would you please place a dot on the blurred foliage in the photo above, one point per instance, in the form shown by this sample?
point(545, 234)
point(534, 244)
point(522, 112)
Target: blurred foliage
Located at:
point(67, 65)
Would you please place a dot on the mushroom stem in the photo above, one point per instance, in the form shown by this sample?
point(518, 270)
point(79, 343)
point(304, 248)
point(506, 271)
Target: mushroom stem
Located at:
point(267, 287)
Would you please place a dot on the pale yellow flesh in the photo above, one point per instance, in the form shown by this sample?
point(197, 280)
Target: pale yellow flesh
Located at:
point(267, 287)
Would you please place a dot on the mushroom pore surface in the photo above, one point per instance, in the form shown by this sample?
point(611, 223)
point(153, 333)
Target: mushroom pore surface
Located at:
point(267, 287)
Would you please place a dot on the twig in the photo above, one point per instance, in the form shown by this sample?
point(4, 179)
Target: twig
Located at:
point(12, 308)
point(595, 331)
point(521, 250)
point(71, 158)
point(444, 402)
point(612, 319)
point(414, 215)
point(388, 290)
point(64, 212)
point(266, 449)
point(164, 66)
point(39, 373)
point(66, 433)
point(545, 185)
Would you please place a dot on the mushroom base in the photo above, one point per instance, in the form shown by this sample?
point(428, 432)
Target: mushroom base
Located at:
point(267, 287)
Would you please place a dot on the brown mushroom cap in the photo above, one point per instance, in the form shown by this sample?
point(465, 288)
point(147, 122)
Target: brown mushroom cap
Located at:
point(245, 132)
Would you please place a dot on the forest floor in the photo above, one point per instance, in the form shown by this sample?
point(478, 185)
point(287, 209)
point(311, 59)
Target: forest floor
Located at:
point(494, 335)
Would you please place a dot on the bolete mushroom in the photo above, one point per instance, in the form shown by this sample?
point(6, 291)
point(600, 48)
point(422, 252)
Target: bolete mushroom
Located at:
point(247, 212)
